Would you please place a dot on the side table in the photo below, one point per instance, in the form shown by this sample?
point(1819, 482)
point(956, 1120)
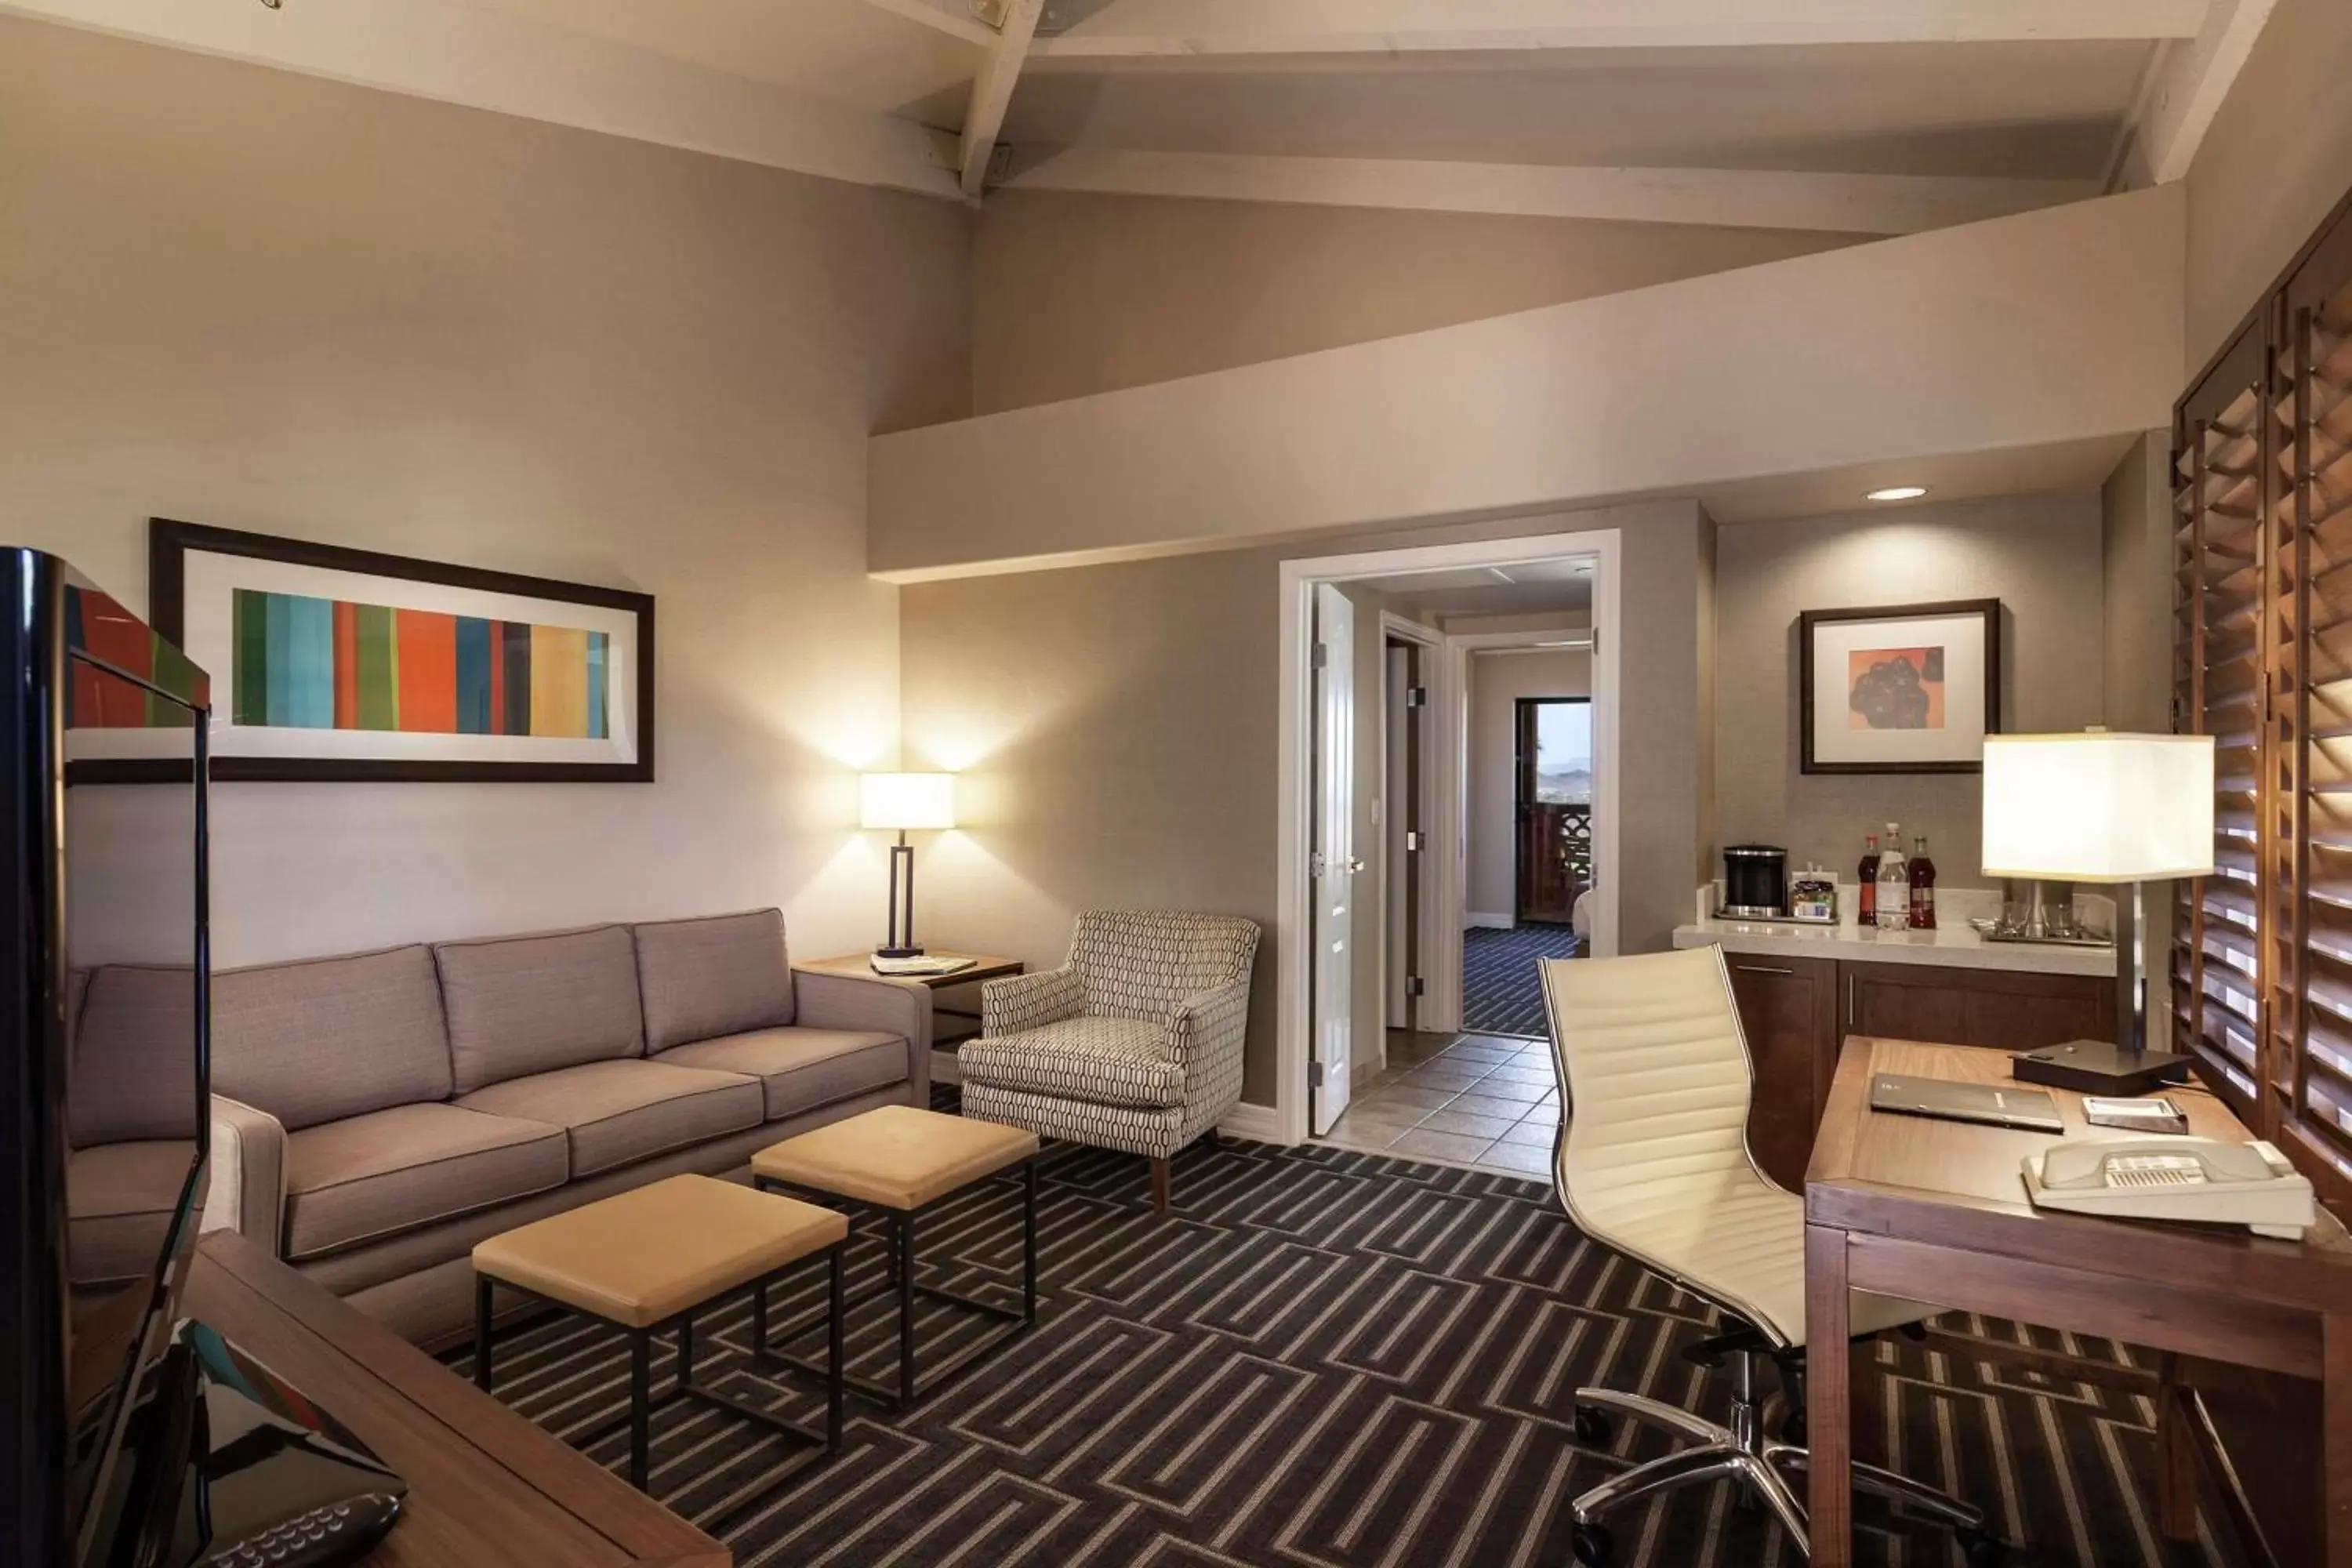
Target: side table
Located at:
point(965, 1016)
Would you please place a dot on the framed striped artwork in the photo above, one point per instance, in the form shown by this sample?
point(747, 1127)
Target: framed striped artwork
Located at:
point(329, 663)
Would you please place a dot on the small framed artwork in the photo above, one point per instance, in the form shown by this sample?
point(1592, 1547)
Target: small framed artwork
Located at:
point(335, 663)
point(1903, 689)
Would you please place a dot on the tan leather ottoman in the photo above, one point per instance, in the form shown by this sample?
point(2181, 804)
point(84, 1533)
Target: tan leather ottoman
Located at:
point(895, 1162)
point(647, 1260)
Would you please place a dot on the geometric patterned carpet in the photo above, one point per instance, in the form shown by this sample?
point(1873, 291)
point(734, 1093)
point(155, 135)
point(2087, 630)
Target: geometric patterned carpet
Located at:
point(1319, 1359)
point(1500, 993)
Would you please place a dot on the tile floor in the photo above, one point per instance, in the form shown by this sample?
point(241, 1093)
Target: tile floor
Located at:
point(1486, 1101)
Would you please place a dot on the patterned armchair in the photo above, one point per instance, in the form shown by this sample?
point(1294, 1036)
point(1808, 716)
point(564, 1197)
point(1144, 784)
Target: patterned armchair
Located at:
point(1134, 1044)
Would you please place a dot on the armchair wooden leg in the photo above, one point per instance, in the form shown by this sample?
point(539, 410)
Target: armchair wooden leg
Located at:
point(1160, 1184)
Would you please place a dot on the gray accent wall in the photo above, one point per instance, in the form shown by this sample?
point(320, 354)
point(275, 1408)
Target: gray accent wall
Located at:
point(2039, 555)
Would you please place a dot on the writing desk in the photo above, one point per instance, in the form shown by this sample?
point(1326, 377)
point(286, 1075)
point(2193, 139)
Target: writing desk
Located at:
point(1936, 1211)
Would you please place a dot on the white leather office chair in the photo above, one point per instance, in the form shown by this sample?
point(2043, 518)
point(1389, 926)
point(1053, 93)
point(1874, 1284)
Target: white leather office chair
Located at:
point(1655, 1164)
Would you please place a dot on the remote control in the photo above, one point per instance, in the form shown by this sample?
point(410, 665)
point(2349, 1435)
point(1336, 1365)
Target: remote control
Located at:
point(331, 1533)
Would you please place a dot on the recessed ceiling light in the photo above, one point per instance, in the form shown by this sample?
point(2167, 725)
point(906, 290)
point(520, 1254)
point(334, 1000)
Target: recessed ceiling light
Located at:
point(1898, 492)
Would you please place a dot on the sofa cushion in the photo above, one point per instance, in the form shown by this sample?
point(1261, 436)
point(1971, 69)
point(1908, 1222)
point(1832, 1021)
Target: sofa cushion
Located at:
point(723, 975)
point(803, 1069)
point(327, 1039)
point(1112, 1061)
point(527, 1005)
point(622, 1111)
point(134, 1056)
point(120, 1200)
point(365, 1177)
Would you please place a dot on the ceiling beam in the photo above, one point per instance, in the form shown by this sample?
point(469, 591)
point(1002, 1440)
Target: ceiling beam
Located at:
point(459, 53)
point(1101, 33)
point(1740, 198)
point(992, 90)
point(2184, 88)
point(941, 16)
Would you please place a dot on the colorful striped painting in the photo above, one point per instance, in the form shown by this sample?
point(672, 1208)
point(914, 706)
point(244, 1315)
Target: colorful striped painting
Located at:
point(307, 663)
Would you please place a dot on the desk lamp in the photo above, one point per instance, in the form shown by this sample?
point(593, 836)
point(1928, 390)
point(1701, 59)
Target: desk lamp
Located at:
point(2106, 807)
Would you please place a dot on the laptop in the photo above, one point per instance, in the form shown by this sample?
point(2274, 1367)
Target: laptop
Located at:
point(1997, 1105)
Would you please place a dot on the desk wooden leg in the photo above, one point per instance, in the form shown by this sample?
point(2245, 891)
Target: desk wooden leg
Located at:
point(1829, 1313)
point(2336, 1394)
point(2175, 1455)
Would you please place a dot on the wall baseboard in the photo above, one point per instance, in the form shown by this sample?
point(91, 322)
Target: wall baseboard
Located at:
point(1489, 922)
point(1258, 1124)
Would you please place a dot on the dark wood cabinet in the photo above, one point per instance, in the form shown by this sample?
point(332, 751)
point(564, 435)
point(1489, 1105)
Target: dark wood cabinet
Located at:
point(1796, 1012)
point(1788, 1009)
point(2000, 1007)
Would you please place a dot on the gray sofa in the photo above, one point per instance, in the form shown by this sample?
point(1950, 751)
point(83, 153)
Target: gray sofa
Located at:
point(376, 1115)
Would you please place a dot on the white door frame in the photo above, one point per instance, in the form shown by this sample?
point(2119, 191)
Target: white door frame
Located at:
point(1438, 1010)
point(1293, 918)
point(1460, 650)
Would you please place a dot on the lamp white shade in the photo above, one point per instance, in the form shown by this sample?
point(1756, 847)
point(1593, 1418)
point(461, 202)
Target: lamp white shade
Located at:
point(906, 802)
point(2098, 806)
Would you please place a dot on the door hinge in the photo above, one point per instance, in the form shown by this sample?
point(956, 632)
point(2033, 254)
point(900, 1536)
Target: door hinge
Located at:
point(1322, 655)
point(1416, 696)
point(1314, 864)
point(1314, 1075)
point(1411, 840)
point(1413, 986)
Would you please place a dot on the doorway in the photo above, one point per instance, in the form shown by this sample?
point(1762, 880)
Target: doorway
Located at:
point(1377, 652)
point(1552, 806)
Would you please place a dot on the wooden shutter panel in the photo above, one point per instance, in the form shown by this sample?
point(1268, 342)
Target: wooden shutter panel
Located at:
point(2218, 675)
point(2311, 1071)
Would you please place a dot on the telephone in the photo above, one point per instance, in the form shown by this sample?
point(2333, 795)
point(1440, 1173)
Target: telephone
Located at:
point(2175, 1178)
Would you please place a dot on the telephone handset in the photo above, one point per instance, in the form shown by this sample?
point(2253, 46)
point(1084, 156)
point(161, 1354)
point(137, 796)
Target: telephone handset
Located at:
point(2175, 1178)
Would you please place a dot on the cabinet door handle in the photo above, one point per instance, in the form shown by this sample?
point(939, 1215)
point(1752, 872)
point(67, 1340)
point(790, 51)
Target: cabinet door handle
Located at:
point(1760, 969)
point(1852, 1008)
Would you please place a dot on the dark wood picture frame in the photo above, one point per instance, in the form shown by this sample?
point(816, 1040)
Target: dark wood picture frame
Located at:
point(169, 543)
point(1811, 619)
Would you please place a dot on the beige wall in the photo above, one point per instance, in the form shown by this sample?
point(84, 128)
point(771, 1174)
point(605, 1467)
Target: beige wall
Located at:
point(1074, 294)
point(2136, 545)
point(261, 301)
point(2052, 326)
point(1116, 727)
point(2038, 555)
point(1497, 681)
point(2275, 161)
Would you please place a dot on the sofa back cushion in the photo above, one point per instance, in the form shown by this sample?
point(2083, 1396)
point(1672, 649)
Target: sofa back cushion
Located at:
point(133, 1077)
point(725, 974)
point(324, 1039)
point(524, 1005)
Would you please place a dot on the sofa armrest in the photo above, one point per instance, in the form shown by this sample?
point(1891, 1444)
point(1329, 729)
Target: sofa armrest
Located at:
point(1022, 1002)
point(247, 1189)
point(1214, 1024)
point(901, 1007)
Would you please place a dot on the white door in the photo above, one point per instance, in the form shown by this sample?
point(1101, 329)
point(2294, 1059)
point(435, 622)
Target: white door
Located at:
point(1333, 867)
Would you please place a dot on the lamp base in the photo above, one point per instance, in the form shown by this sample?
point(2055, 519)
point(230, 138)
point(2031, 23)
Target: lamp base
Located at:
point(2099, 1067)
point(897, 952)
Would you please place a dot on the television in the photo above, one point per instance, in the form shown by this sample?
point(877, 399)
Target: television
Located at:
point(104, 1148)
point(129, 1437)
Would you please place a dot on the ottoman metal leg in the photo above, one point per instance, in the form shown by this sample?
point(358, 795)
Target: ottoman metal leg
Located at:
point(906, 1256)
point(833, 1360)
point(482, 1332)
point(641, 1399)
point(1029, 1242)
point(686, 1349)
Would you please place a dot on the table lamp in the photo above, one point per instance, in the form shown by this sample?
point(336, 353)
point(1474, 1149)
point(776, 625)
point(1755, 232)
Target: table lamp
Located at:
point(2107, 807)
point(904, 804)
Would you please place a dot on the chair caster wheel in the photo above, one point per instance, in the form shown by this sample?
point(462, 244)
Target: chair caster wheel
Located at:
point(1594, 1428)
point(1593, 1545)
point(1980, 1549)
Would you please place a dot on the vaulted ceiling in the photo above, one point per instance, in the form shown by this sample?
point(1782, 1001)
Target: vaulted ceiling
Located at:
point(1868, 116)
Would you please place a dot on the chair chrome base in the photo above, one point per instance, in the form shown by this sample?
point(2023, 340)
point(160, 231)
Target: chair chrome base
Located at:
point(1739, 1453)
